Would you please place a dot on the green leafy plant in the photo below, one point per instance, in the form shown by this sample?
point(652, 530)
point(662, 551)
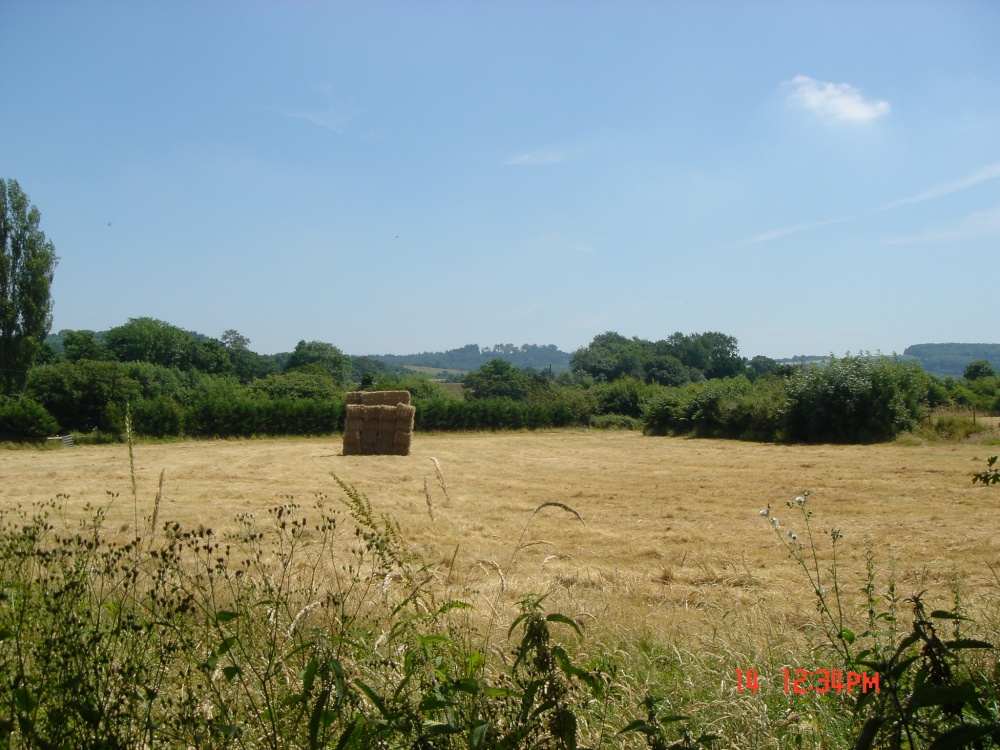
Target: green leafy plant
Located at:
point(654, 729)
point(991, 475)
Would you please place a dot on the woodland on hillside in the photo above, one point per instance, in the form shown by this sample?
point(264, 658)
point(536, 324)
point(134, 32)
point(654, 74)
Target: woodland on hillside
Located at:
point(951, 359)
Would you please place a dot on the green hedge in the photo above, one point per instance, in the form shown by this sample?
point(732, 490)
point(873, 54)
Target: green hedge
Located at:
point(851, 400)
point(492, 414)
point(245, 417)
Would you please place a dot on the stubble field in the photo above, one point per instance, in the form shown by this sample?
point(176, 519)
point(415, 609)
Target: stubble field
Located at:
point(669, 542)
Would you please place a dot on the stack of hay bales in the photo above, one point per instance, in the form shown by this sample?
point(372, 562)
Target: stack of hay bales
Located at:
point(378, 423)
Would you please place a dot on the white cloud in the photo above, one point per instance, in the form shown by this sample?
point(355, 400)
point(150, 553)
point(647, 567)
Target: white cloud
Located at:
point(839, 102)
point(989, 172)
point(785, 231)
point(540, 156)
point(974, 226)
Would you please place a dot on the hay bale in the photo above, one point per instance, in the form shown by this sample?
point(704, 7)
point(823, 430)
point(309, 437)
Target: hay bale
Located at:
point(382, 428)
point(403, 433)
point(354, 419)
point(405, 416)
point(352, 443)
point(377, 398)
point(401, 445)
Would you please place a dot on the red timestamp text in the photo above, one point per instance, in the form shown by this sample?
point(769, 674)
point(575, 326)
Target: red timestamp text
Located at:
point(804, 681)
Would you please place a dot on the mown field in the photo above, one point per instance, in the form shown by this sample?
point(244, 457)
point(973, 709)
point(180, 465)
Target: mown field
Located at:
point(653, 549)
point(669, 540)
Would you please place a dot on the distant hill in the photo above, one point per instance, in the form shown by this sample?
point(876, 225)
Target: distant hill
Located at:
point(951, 359)
point(472, 357)
point(469, 357)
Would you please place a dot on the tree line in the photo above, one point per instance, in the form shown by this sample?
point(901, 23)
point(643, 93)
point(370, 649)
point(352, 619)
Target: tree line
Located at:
point(472, 357)
point(152, 378)
point(158, 380)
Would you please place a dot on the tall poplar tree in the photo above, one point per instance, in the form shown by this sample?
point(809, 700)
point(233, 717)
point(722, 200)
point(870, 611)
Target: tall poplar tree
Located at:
point(27, 265)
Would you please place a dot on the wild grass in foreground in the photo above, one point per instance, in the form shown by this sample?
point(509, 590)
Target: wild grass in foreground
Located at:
point(319, 628)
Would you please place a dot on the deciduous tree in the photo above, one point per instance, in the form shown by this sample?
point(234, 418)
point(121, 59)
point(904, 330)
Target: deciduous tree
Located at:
point(327, 356)
point(500, 379)
point(79, 345)
point(247, 365)
point(981, 368)
point(27, 265)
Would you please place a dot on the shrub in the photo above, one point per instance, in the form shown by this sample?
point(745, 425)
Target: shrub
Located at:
point(158, 417)
point(568, 405)
point(492, 414)
point(730, 407)
point(859, 399)
point(221, 417)
point(625, 395)
point(300, 416)
point(985, 391)
point(665, 414)
point(24, 419)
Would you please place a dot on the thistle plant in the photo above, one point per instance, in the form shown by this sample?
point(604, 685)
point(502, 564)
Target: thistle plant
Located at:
point(927, 697)
point(829, 601)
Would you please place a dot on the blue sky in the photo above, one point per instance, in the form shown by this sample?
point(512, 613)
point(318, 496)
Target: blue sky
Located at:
point(396, 177)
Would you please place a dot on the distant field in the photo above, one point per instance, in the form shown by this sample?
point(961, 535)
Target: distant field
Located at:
point(433, 372)
point(670, 540)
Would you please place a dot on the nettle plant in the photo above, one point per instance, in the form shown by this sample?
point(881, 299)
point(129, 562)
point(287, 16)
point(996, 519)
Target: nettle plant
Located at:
point(929, 693)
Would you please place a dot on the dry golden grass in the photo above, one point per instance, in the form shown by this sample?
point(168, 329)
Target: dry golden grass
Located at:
point(670, 543)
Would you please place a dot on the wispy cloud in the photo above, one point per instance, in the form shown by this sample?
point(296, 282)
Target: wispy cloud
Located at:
point(785, 231)
point(974, 226)
point(989, 172)
point(540, 157)
point(838, 102)
point(332, 119)
point(558, 243)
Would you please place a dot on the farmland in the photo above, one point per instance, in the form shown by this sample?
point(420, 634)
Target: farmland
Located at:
point(670, 536)
point(653, 549)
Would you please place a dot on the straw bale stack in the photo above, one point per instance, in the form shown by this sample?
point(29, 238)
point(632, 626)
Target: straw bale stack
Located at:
point(377, 398)
point(378, 423)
